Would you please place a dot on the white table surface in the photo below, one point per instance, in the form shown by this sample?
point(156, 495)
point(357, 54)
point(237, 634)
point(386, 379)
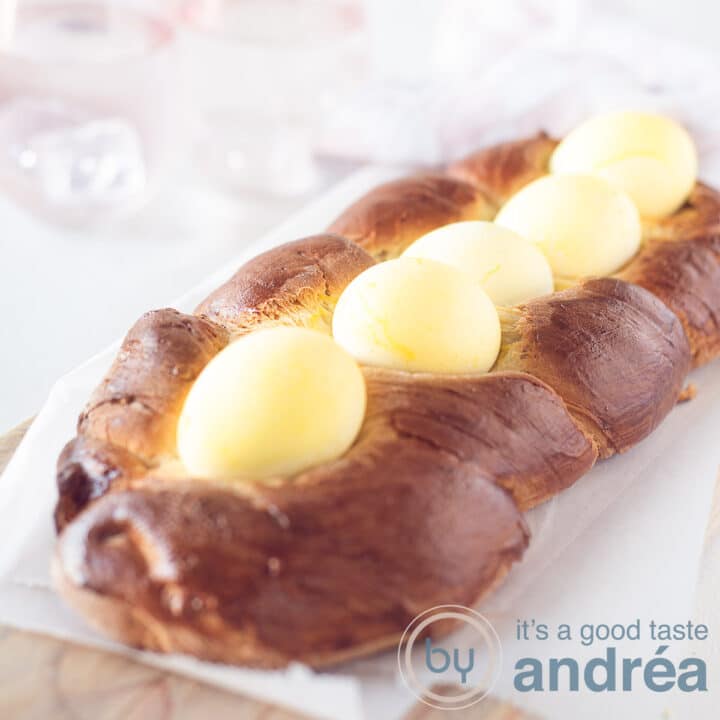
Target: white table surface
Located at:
point(66, 294)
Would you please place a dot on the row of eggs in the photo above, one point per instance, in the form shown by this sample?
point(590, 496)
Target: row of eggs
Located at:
point(280, 400)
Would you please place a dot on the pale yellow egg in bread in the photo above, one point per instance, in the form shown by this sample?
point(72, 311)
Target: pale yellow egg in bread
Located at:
point(276, 401)
point(583, 225)
point(510, 268)
point(650, 157)
point(418, 315)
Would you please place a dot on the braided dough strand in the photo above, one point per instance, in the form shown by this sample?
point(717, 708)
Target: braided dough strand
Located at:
point(426, 507)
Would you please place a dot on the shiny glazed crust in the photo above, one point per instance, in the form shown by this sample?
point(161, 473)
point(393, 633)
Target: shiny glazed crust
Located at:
point(426, 507)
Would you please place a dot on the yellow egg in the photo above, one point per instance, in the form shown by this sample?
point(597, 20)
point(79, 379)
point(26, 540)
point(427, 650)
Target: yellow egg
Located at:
point(418, 315)
point(583, 225)
point(650, 157)
point(510, 268)
point(276, 401)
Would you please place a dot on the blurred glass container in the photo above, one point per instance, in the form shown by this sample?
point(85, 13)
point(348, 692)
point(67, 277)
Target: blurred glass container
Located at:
point(87, 119)
point(262, 74)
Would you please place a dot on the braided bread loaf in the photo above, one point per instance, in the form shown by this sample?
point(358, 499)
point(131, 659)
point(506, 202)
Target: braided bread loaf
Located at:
point(426, 506)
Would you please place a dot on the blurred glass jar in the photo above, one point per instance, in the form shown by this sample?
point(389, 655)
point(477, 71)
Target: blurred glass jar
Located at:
point(262, 73)
point(87, 108)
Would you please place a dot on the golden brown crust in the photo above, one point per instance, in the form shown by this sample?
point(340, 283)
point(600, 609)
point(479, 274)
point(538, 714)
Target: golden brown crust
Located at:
point(676, 261)
point(297, 283)
point(342, 556)
point(685, 275)
point(334, 562)
point(129, 424)
point(516, 429)
point(680, 263)
point(616, 355)
point(391, 217)
point(501, 170)
point(88, 468)
point(137, 404)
